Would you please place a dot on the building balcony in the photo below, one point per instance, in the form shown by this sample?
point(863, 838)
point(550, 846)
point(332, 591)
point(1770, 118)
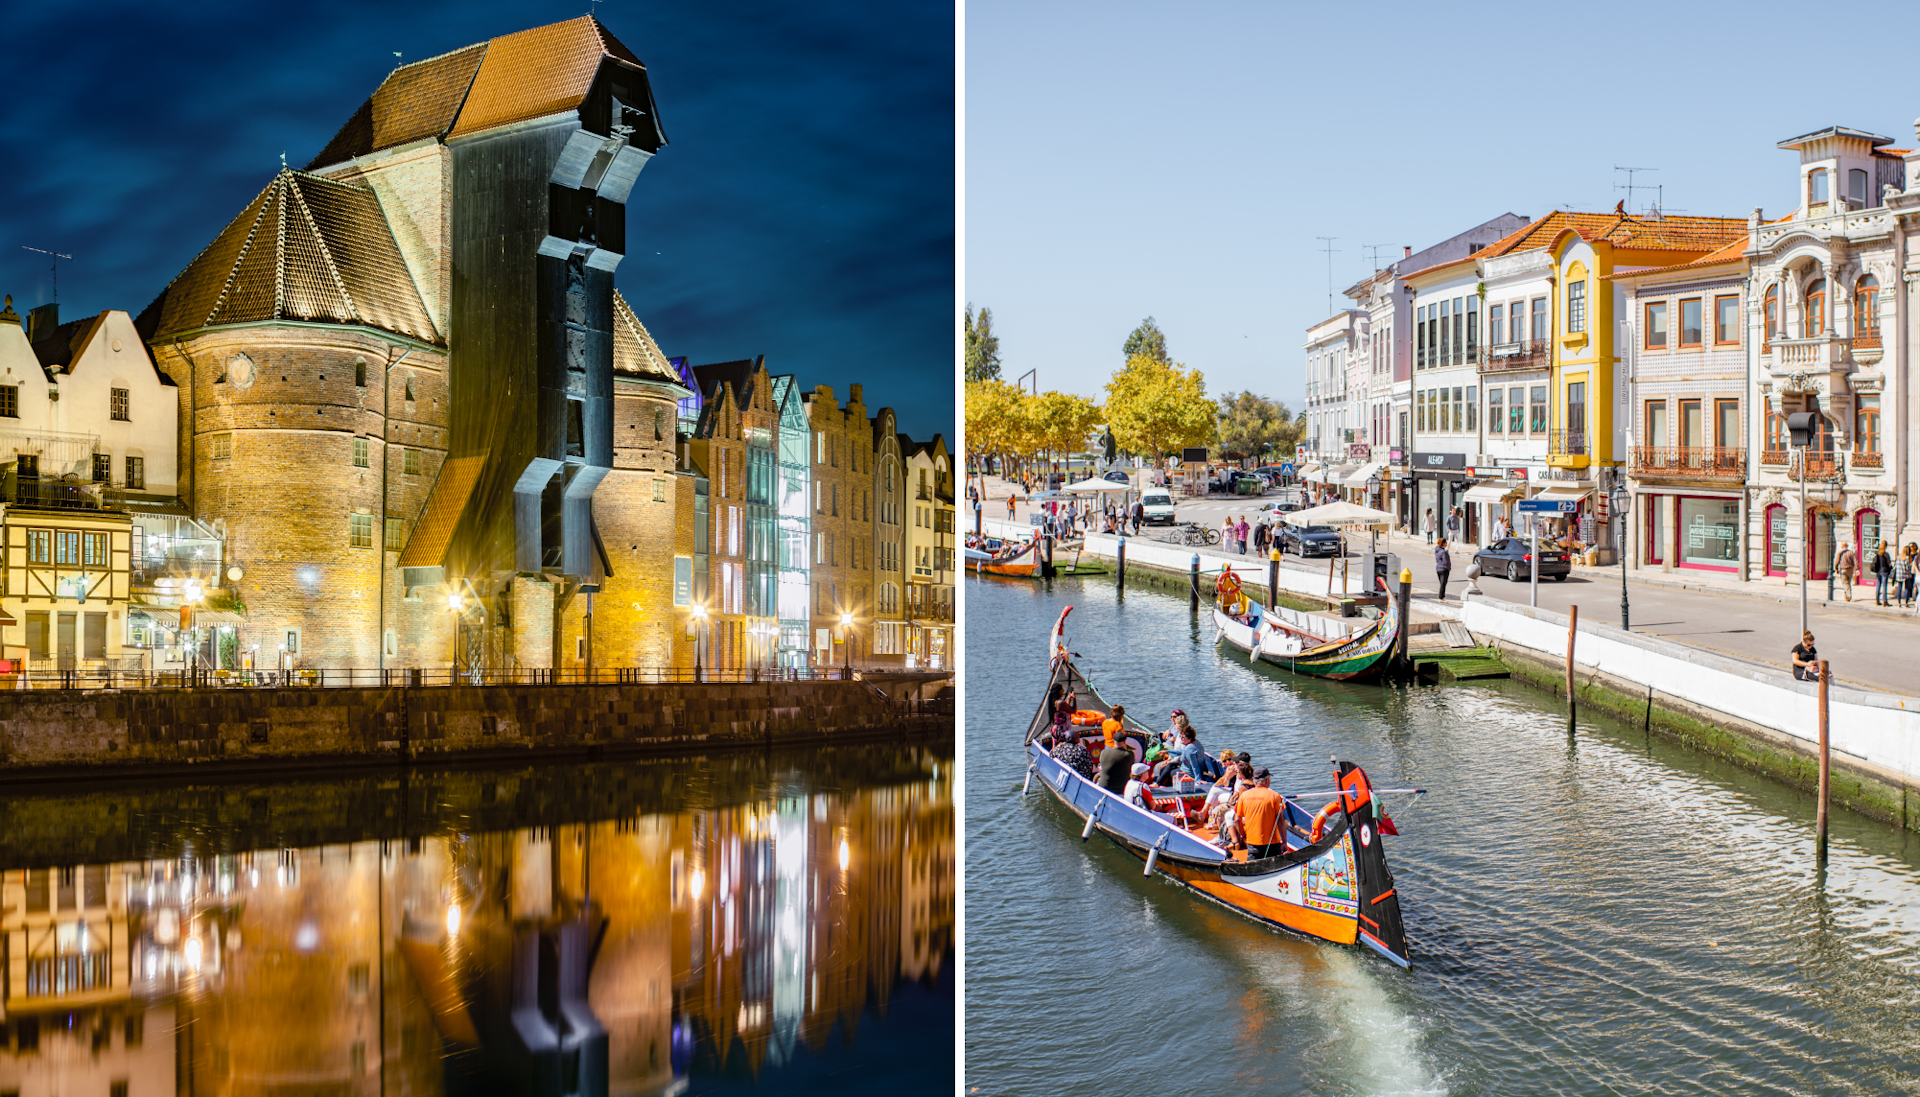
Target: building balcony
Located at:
point(1514, 357)
point(1873, 461)
point(62, 493)
point(1567, 443)
point(1717, 463)
point(1820, 354)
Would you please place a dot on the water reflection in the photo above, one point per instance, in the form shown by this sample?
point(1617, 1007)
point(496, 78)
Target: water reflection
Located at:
point(627, 955)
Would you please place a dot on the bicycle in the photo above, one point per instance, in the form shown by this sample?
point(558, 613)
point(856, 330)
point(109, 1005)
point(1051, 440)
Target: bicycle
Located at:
point(1191, 533)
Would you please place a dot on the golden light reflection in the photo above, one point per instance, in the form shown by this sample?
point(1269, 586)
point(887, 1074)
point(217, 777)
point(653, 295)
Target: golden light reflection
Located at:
point(453, 919)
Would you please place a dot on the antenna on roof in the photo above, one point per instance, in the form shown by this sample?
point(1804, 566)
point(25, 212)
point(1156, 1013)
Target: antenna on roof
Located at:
point(396, 59)
point(1628, 186)
point(1330, 249)
point(57, 256)
point(1373, 254)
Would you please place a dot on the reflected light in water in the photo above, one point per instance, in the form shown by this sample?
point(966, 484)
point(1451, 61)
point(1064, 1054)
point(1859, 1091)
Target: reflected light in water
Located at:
point(699, 883)
point(192, 951)
point(846, 855)
point(453, 919)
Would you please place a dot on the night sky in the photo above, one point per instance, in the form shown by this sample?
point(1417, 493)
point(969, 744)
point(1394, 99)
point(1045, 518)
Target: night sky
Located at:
point(803, 208)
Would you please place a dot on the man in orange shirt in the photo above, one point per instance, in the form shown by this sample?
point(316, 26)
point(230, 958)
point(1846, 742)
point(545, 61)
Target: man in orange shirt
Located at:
point(1260, 810)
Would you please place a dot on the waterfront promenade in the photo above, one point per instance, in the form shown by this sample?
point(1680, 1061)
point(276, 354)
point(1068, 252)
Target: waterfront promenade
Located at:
point(1868, 647)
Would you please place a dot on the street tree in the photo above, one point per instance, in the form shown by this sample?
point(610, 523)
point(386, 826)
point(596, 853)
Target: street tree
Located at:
point(1146, 339)
point(1252, 425)
point(982, 346)
point(1065, 420)
point(991, 419)
point(1155, 406)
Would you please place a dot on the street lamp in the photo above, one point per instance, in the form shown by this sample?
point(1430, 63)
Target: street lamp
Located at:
point(699, 638)
point(1800, 428)
point(1622, 498)
point(846, 643)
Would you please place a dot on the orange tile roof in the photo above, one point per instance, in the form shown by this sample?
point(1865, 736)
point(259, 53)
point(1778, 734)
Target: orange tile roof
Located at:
point(414, 101)
point(635, 354)
point(1733, 251)
point(537, 72)
point(427, 548)
point(1623, 230)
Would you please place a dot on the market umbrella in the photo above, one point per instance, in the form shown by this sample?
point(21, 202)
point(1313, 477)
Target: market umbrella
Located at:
point(1342, 514)
point(1094, 484)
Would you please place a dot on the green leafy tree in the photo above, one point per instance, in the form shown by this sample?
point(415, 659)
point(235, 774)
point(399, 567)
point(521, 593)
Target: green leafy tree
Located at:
point(1252, 425)
point(1148, 340)
point(983, 346)
point(988, 411)
point(1155, 406)
point(1065, 421)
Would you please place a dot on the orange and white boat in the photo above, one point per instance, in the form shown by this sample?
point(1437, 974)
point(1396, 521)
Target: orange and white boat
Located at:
point(989, 556)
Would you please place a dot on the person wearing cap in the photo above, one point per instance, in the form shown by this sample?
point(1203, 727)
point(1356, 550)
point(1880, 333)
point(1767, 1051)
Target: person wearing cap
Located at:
point(1259, 810)
point(1136, 790)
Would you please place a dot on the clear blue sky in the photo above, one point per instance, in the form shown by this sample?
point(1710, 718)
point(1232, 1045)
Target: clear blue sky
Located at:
point(803, 209)
point(1127, 159)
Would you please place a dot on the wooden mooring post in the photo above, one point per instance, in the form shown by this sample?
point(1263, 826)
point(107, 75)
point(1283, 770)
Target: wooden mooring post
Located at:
point(1826, 769)
point(1121, 568)
point(1573, 630)
point(1193, 584)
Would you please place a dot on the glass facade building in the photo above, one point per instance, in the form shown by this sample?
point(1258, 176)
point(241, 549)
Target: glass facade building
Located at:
point(793, 475)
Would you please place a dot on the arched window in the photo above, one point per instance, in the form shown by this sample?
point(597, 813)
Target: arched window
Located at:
point(1814, 315)
point(1866, 311)
point(1771, 310)
point(1857, 187)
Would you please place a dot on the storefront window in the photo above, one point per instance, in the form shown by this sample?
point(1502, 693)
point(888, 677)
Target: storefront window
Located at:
point(1822, 544)
point(1866, 526)
point(1655, 509)
point(1710, 533)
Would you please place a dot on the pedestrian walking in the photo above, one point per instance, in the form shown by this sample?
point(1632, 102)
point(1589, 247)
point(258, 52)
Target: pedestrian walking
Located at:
point(1453, 525)
point(1442, 566)
point(1241, 531)
point(1847, 564)
point(1426, 525)
point(1904, 573)
point(1226, 532)
point(1882, 575)
point(1139, 515)
point(1803, 656)
point(1009, 504)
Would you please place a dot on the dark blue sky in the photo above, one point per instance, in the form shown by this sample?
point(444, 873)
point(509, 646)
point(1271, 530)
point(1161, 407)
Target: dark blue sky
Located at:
point(803, 209)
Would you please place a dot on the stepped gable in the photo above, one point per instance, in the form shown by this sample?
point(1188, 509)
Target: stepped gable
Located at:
point(308, 249)
point(534, 73)
point(635, 354)
point(415, 101)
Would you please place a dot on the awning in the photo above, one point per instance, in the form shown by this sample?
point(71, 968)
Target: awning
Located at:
point(165, 618)
point(1490, 493)
point(1327, 475)
point(1564, 493)
point(433, 534)
point(1363, 473)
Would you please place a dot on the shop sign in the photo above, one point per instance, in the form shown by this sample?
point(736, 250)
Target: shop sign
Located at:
point(1397, 456)
point(1517, 474)
point(1359, 451)
point(1440, 460)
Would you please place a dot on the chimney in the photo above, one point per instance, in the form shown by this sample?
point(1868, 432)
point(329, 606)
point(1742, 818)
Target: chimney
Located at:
point(42, 321)
point(1406, 251)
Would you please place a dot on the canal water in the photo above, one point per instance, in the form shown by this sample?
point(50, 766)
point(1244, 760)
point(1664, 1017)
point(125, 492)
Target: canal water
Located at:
point(748, 922)
point(1592, 910)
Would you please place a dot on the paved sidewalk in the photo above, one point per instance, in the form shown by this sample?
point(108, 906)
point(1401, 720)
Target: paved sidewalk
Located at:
point(1870, 648)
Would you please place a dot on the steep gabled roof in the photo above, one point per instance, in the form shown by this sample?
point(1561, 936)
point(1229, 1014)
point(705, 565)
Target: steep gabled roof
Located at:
point(306, 248)
point(537, 72)
point(414, 101)
point(1624, 230)
point(635, 354)
point(737, 375)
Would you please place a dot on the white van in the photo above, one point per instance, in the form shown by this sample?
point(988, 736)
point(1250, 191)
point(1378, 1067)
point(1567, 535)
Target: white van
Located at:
point(1157, 505)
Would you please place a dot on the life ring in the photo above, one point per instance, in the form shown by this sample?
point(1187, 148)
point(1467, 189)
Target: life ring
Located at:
point(1086, 717)
point(1320, 820)
point(1227, 588)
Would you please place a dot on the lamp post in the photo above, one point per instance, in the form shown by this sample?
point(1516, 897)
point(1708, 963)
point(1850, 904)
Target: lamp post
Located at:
point(1800, 427)
point(1622, 499)
point(699, 640)
point(846, 644)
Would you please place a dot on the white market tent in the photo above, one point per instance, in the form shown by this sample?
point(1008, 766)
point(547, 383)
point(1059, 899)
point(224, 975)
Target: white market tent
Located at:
point(1093, 485)
point(1341, 514)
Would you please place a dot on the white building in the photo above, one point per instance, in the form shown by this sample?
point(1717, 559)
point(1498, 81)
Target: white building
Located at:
point(1515, 381)
point(106, 413)
point(1331, 347)
point(1448, 339)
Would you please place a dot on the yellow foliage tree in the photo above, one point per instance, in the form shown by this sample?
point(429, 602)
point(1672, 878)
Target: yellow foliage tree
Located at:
point(989, 417)
point(1065, 420)
point(1158, 407)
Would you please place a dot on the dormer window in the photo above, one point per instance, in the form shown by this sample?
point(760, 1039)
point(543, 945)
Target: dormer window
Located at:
point(1817, 188)
point(1857, 187)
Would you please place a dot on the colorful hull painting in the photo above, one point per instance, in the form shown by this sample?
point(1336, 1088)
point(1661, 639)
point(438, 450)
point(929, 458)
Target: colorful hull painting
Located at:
point(999, 558)
point(1337, 888)
point(1362, 655)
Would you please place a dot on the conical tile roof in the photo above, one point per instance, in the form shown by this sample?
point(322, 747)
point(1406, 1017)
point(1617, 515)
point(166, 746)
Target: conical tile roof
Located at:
point(634, 351)
point(307, 248)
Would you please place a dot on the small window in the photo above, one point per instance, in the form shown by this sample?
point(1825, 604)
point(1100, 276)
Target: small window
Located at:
point(1726, 320)
point(1577, 307)
point(94, 550)
point(360, 531)
point(392, 643)
point(10, 401)
point(1690, 322)
point(1857, 186)
point(360, 373)
point(1866, 310)
point(102, 467)
point(222, 447)
point(360, 453)
point(39, 546)
point(1866, 432)
point(290, 641)
point(1814, 316)
point(410, 462)
point(66, 548)
point(659, 491)
point(136, 473)
point(576, 429)
point(409, 389)
point(1770, 312)
point(1657, 326)
point(396, 535)
point(118, 404)
point(1817, 186)
point(659, 424)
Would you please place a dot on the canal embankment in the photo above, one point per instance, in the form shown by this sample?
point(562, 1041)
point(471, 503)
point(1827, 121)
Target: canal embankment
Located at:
point(1751, 714)
point(64, 734)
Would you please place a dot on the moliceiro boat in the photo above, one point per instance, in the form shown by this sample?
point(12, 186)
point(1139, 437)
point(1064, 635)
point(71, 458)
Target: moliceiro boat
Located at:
point(1332, 881)
point(992, 556)
point(1303, 643)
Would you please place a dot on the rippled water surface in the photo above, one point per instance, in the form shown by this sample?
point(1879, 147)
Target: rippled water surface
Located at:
point(1593, 911)
point(746, 923)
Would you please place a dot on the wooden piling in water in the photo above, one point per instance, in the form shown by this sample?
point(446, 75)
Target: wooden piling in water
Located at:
point(1826, 759)
point(1573, 630)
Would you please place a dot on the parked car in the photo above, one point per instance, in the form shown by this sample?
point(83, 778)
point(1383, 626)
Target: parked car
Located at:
point(1284, 507)
point(1115, 476)
point(1513, 558)
point(1058, 479)
point(1310, 540)
point(1156, 506)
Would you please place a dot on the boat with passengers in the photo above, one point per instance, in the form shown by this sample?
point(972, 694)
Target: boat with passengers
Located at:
point(1303, 643)
point(1325, 876)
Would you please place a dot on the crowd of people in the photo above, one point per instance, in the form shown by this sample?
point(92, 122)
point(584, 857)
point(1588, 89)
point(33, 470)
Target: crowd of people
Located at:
point(1894, 576)
point(1240, 804)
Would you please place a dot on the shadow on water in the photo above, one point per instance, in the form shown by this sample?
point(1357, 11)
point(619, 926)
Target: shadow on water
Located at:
point(774, 922)
point(1593, 909)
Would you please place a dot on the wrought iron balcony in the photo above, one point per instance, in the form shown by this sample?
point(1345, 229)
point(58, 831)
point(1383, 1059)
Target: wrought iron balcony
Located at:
point(1504, 357)
point(1867, 460)
point(1567, 443)
point(1691, 462)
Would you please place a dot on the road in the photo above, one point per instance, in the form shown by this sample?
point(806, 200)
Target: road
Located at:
point(1868, 649)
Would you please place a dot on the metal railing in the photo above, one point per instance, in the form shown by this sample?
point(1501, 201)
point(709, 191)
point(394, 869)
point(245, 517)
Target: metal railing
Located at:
point(1567, 442)
point(1863, 460)
point(1514, 356)
point(45, 674)
point(1700, 462)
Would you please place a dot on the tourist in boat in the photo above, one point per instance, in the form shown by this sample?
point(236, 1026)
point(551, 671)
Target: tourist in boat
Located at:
point(1116, 762)
point(1136, 790)
point(1114, 724)
point(1259, 810)
point(1069, 753)
point(1442, 566)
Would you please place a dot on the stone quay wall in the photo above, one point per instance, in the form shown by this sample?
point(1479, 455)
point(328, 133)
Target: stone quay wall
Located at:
point(61, 734)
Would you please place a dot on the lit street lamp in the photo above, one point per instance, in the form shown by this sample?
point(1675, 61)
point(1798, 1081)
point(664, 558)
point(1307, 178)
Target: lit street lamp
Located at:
point(1622, 498)
point(846, 643)
point(699, 638)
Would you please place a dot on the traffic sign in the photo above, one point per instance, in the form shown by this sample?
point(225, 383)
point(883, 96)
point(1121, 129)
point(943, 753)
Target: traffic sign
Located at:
point(1286, 469)
point(1547, 506)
